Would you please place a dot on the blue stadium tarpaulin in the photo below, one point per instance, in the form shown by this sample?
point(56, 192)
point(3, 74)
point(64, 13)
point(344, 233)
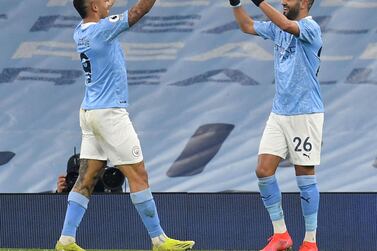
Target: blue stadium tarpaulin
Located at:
point(189, 68)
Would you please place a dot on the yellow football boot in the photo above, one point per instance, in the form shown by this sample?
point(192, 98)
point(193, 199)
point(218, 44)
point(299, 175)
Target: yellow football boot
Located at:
point(174, 245)
point(70, 247)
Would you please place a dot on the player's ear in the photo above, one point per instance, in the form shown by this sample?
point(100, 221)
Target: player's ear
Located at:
point(93, 5)
point(304, 4)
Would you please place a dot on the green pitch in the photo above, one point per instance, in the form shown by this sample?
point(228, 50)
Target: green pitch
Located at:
point(27, 249)
point(30, 249)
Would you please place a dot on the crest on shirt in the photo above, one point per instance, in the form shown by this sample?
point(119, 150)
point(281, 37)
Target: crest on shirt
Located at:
point(114, 18)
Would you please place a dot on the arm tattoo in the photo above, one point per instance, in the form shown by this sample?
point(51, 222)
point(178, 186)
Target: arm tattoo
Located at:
point(139, 10)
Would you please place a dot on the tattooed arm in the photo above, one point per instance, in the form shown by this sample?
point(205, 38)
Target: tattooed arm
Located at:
point(139, 10)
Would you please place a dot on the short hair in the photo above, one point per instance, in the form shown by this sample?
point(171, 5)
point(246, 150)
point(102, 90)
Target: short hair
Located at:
point(81, 7)
point(310, 4)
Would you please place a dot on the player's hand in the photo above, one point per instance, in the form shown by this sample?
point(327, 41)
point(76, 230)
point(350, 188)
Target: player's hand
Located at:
point(257, 2)
point(235, 3)
point(61, 184)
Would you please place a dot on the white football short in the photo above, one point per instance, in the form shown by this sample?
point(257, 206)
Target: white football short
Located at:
point(298, 136)
point(109, 134)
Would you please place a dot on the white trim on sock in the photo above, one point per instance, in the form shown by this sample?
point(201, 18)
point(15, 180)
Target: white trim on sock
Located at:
point(279, 226)
point(310, 236)
point(159, 240)
point(65, 240)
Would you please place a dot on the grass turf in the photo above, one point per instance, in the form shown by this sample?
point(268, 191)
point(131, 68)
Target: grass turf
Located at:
point(28, 249)
point(32, 249)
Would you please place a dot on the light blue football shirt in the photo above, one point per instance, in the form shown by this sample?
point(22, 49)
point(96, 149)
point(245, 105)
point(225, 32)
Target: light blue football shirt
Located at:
point(296, 66)
point(103, 62)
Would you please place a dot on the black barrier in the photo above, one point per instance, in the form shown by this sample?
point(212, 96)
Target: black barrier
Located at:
point(230, 221)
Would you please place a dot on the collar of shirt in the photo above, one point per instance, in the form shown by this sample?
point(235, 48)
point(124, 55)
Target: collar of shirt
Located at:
point(86, 25)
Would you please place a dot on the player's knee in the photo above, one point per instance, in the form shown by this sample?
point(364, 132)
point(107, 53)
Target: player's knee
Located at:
point(263, 171)
point(141, 179)
point(144, 177)
point(140, 173)
point(304, 170)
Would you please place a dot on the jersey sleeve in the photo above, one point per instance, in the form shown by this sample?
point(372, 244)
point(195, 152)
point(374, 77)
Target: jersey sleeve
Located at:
point(265, 29)
point(309, 30)
point(110, 27)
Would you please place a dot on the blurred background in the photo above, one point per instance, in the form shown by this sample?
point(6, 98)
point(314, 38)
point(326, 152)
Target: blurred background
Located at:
point(200, 94)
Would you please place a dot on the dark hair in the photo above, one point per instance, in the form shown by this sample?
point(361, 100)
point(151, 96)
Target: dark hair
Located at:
point(310, 4)
point(80, 6)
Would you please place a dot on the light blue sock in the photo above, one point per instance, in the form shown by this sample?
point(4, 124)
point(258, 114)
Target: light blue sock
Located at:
point(77, 205)
point(271, 197)
point(309, 200)
point(146, 207)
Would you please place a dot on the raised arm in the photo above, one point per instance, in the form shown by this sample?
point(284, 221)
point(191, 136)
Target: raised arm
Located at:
point(245, 22)
point(278, 18)
point(139, 10)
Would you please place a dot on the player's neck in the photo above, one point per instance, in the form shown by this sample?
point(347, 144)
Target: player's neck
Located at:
point(91, 19)
point(302, 15)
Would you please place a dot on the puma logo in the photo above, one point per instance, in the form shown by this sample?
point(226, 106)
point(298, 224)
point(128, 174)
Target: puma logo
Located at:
point(306, 155)
point(305, 199)
point(266, 197)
